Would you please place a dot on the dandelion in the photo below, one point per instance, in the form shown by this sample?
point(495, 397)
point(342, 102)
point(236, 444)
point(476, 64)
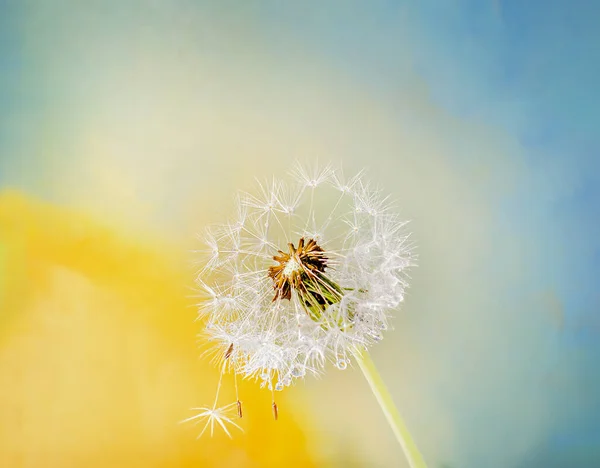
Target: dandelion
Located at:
point(308, 272)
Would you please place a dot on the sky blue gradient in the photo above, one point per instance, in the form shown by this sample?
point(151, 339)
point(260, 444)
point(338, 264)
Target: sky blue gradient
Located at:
point(543, 56)
point(10, 69)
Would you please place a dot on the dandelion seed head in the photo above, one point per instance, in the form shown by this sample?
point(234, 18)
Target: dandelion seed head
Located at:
point(308, 271)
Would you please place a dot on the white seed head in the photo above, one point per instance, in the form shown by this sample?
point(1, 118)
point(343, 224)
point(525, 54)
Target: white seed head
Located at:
point(308, 271)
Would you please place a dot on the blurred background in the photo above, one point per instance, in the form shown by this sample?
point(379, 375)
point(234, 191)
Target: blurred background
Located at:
point(126, 126)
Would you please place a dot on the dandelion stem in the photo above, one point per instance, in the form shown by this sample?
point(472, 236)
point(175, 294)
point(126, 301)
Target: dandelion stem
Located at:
point(415, 459)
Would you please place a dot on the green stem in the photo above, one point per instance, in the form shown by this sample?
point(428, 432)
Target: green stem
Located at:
point(415, 459)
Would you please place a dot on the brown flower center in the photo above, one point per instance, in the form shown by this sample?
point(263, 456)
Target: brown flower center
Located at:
point(301, 269)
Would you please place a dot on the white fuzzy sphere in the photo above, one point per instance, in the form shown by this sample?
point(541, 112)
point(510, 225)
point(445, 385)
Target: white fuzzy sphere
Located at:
point(367, 253)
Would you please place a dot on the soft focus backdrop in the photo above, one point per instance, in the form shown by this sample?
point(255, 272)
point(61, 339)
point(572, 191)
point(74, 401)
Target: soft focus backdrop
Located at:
point(126, 126)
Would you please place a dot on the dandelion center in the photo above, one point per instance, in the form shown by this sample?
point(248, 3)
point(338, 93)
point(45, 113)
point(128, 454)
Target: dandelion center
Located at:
point(302, 270)
point(291, 267)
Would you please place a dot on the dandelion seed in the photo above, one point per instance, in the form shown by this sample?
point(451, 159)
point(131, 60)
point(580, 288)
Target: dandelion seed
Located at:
point(309, 272)
point(213, 415)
